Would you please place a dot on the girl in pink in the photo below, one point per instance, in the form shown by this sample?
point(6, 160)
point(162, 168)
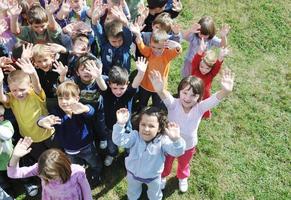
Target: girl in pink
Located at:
point(59, 178)
point(186, 111)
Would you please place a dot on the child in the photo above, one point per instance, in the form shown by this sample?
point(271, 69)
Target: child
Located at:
point(114, 40)
point(206, 66)
point(148, 145)
point(42, 26)
point(119, 95)
point(187, 110)
point(204, 29)
point(160, 52)
point(71, 131)
point(59, 178)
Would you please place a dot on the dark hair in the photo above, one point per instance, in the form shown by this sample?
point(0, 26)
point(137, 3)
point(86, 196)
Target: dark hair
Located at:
point(164, 20)
point(114, 29)
point(151, 111)
point(37, 15)
point(207, 26)
point(156, 3)
point(195, 83)
point(87, 57)
point(52, 164)
point(118, 75)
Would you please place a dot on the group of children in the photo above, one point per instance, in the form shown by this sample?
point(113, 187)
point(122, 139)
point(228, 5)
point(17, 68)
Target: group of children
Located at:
point(66, 74)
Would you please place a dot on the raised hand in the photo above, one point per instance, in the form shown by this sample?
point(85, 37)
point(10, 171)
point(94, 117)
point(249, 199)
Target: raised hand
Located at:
point(27, 50)
point(54, 48)
point(177, 5)
point(223, 53)
point(14, 10)
point(118, 14)
point(79, 108)
point(6, 65)
point(49, 121)
point(135, 28)
point(98, 12)
point(122, 116)
point(175, 28)
point(65, 8)
point(224, 30)
point(93, 69)
point(173, 131)
point(171, 44)
point(26, 65)
point(61, 69)
point(52, 7)
point(141, 64)
point(196, 28)
point(227, 80)
point(156, 80)
point(22, 147)
point(3, 26)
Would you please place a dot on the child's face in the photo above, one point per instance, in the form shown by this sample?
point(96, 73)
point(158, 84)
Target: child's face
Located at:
point(157, 48)
point(66, 102)
point(118, 90)
point(20, 90)
point(204, 67)
point(205, 37)
point(44, 63)
point(76, 5)
point(115, 41)
point(187, 98)
point(80, 47)
point(148, 127)
point(84, 74)
point(39, 28)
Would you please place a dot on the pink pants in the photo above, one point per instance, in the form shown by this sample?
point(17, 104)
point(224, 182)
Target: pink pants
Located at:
point(183, 170)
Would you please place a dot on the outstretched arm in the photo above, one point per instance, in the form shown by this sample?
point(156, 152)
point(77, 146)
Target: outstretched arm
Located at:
point(158, 84)
point(227, 82)
point(14, 12)
point(50, 9)
point(223, 33)
point(141, 65)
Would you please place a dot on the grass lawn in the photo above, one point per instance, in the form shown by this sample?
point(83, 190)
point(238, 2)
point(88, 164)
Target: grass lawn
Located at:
point(243, 150)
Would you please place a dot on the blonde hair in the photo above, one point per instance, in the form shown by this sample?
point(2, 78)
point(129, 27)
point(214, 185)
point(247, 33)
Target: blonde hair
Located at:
point(210, 57)
point(38, 50)
point(68, 89)
point(159, 36)
point(18, 76)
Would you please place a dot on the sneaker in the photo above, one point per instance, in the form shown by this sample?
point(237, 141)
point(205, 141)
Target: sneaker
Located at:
point(103, 144)
point(108, 161)
point(163, 183)
point(31, 189)
point(183, 185)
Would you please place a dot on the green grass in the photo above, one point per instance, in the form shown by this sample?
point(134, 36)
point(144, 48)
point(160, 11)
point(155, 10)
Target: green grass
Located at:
point(244, 150)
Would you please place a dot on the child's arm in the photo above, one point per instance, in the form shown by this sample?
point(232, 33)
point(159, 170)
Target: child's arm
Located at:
point(141, 65)
point(64, 11)
point(223, 33)
point(14, 12)
point(227, 81)
point(96, 72)
point(48, 122)
point(3, 97)
point(119, 15)
point(28, 68)
point(27, 51)
point(61, 69)
point(50, 10)
point(79, 108)
point(158, 84)
point(194, 29)
point(176, 34)
point(170, 44)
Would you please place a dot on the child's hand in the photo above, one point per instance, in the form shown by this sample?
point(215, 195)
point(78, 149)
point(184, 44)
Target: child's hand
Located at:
point(1, 76)
point(93, 69)
point(122, 116)
point(51, 7)
point(196, 28)
point(65, 8)
point(175, 28)
point(26, 65)
point(61, 69)
point(14, 10)
point(141, 64)
point(49, 121)
point(118, 14)
point(22, 147)
point(173, 131)
point(143, 12)
point(156, 80)
point(6, 65)
point(53, 48)
point(135, 29)
point(202, 47)
point(177, 5)
point(227, 80)
point(79, 108)
point(224, 30)
point(3, 26)
point(171, 44)
point(27, 51)
point(98, 12)
point(223, 53)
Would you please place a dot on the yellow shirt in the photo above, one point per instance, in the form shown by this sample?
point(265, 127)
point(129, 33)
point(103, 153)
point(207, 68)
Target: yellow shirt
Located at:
point(27, 112)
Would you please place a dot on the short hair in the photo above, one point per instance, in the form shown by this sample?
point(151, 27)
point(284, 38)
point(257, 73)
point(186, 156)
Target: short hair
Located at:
point(159, 35)
point(207, 26)
point(68, 89)
point(156, 3)
point(114, 29)
point(118, 75)
point(210, 58)
point(38, 50)
point(82, 37)
point(17, 76)
point(87, 57)
point(37, 15)
point(151, 111)
point(54, 164)
point(195, 83)
point(164, 20)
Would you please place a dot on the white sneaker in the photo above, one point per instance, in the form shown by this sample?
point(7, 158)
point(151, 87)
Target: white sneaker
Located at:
point(103, 144)
point(31, 189)
point(108, 161)
point(163, 183)
point(183, 185)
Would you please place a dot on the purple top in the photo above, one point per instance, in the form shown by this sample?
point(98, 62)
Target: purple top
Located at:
point(77, 187)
